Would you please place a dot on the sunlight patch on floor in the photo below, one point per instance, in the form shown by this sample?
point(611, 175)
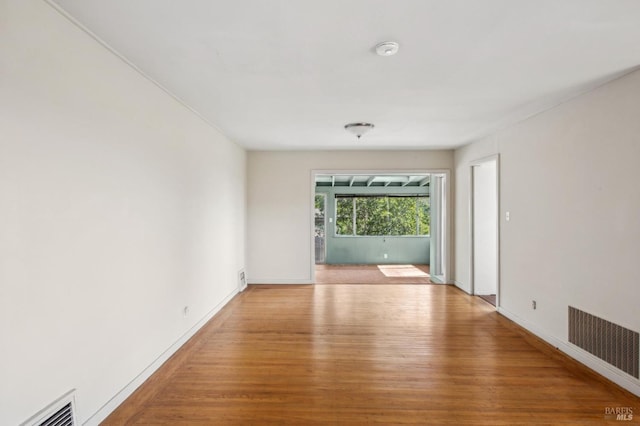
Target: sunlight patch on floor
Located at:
point(401, 271)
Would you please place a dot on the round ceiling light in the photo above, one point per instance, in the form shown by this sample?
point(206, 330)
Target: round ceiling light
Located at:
point(387, 48)
point(359, 129)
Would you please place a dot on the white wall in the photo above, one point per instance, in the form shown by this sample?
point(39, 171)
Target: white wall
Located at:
point(118, 207)
point(279, 203)
point(569, 178)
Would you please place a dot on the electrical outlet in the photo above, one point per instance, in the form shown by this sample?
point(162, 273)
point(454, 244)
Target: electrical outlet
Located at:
point(386, 256)
point(534, 305)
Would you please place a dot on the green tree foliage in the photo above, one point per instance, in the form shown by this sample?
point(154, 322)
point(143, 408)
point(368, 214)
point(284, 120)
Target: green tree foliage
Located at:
point(344, 216)
point(383, 215)
point(372, 216)
point(424, 216)
point(319, 215)
point(402, 216)
point(320, 204)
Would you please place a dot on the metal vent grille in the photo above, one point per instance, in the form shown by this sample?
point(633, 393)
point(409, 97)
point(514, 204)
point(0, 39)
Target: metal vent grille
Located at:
point(610, 342)
point(242, 280)
point(63, 417)
point(59, 413)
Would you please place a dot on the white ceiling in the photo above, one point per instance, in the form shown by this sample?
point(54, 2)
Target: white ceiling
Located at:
point(289, 74)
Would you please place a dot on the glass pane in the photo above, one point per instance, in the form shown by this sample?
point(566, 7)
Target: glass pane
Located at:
point(319, 228)
point(319, 215)
point(372, 216)
point(344, 216)
point(424, 216)
point(402, 216)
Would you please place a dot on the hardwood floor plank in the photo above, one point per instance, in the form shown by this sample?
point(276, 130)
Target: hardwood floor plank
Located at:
point(372, 274)
point(380, 354)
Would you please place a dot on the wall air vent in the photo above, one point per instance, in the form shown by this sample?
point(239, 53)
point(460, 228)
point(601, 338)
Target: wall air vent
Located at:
point(610, 342)
point(59, 413)
point(242, 280)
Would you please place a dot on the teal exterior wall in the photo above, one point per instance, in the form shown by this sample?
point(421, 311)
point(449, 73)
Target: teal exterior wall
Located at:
point(370, 250)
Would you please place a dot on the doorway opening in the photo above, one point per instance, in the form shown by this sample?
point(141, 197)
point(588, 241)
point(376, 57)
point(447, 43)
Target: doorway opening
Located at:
point(391, 226)
point(485, 229)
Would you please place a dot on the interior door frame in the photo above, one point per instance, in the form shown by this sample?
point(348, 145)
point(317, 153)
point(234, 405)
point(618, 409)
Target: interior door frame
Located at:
point(440, 220)
point(447, 201)
point(476, 163)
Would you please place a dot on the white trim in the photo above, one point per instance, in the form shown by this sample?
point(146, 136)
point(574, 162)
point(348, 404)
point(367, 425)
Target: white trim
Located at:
point(258, 281)
point(123, 394)
point(54, 407)
point(461, 286)
point(437, 279)
point(450, 215)
point(592, 362)
point(312, 227)
point(446, 231)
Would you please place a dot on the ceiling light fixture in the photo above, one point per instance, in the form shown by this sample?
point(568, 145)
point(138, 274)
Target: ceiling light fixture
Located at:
point(359, 129)
point(387, 48)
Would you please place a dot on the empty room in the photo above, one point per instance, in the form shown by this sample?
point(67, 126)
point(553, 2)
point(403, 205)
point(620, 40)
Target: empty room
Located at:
point(319, 212)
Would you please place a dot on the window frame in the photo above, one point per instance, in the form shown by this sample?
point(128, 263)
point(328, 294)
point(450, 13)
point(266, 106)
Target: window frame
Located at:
point(354, 215)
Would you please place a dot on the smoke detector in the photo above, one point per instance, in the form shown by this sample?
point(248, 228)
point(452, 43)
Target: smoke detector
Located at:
point(387, 48)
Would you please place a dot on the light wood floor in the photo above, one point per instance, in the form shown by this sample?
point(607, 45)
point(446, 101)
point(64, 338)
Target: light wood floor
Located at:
point(386, 354)
point(372, 274)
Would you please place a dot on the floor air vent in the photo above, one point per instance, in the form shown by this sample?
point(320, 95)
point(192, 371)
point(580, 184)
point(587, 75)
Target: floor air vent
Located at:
point(610, 342)
point(59, 413)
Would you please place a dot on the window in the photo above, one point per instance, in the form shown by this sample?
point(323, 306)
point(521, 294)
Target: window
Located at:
point(344, 216)
point(382, 215)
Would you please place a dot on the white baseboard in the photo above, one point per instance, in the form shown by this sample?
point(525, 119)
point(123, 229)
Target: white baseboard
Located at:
point(461, 286)
point(259, 281)
point(121, 396)
point(596, 364)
